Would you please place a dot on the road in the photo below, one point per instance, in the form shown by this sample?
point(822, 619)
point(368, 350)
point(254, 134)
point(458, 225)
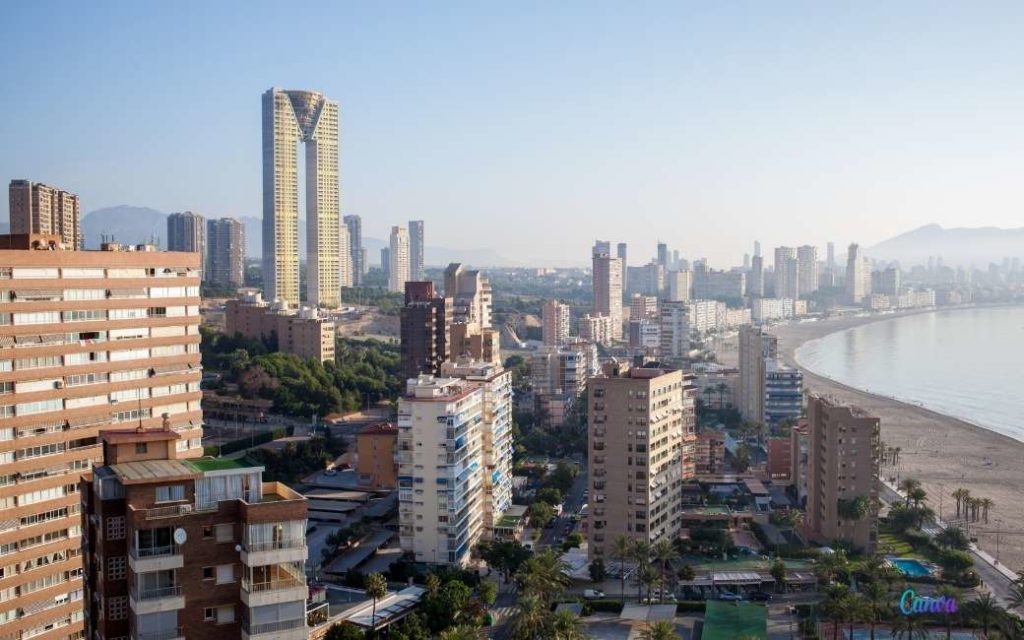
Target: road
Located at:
point(571, 505)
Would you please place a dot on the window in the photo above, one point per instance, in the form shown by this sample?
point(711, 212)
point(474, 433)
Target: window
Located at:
point(226, 614)
point(225, 573)
point(170, 493)
point(209, 573)
point(209, 614)
point(117, 607)
point(207, 532)
point(225, 533)
point(87, 315)
point(117, 568)
point(140, 447)
point(115, 528)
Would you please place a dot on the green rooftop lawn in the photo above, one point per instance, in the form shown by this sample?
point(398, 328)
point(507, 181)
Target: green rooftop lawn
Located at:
point(731, 620)
point(215, 464)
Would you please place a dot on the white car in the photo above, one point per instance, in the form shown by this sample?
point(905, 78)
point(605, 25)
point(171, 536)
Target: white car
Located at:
point(593, 594)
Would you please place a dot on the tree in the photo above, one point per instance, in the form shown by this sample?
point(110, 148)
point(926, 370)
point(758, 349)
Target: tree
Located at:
point(854, 509)
point(550, 495)
point(410, 627)
point(531, 619)
point(543, 575)
point(659, 630)
point(687, 573)
point(376, 588)
point(344, 632)
point(952, 538)
point(907, 486)
point(487, 590)
point(641, 554)
point(986, 504)
point(461, 632)
point(646, 577)
point(598, 573)
point(622, 550)
point(960, 495)
point(910, 628)
point(983, 610)
point(664, 553)
point(875, 595)
point(566, 626)
point(947, 617)
point(778, 572)
point(573, 541)
point(835, 606)
point(505, 556)
point(540, 513)
point(954, 563)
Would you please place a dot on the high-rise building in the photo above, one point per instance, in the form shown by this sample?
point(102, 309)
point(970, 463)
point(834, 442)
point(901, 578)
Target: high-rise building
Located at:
point(783, 394)
point(187, 232)
point(757, 247)
point(889, 281)
point(830, 253)
point(426, 323)
point(447, 506)
point(91, 340)
point(558, 378)
point(663, 254)
point(757, 348)
point(855, 275)
point(806, 270)
point(680, 285)
point(555, 317)
point(377, 455)
point(225, 252)
point(202, 547)
point(675, 329)
point(354, 224)
point(755, 286)
point(787, 282)
point(37, 208)
point(621, 255)
point(471, 291)
point(416, 270)
point(385, 262)
point(290, 117)
point(305, 332)
point(643, 307)
point(345, 270)
point(709, 284)
point(607, 283)
point(842, 478)
point(641, 448)
point(398, 255)
point(648, 280)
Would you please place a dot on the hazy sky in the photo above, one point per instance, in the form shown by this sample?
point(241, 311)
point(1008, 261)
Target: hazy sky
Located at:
point(533, 129)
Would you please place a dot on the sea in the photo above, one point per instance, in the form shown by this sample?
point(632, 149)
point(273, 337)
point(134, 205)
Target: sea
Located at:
point(965, 363)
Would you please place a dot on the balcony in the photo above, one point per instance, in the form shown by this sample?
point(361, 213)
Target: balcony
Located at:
point(255, 554)
point(176, 633)
point(155, 558)
point(156, 599)
point(281, 630)
point(274, 584)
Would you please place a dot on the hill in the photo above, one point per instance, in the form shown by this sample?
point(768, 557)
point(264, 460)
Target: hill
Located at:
point(132, 225)
point(960, 246)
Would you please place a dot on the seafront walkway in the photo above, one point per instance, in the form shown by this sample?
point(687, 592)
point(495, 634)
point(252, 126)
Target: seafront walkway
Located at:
point(996, 576)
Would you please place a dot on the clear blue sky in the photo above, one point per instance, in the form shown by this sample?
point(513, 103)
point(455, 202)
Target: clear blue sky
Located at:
point(532, 129)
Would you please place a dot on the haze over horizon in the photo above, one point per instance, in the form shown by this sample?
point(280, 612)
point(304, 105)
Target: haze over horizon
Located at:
point(535, 129)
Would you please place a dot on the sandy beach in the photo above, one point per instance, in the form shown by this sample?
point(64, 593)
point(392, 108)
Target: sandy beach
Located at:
point(944, 453)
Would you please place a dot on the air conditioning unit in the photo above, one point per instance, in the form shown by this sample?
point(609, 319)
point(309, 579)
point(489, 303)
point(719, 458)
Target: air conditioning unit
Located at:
point(59, 384)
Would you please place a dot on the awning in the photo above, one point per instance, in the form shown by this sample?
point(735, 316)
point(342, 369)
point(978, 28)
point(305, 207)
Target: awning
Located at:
point(127, 293)
point(20, 340)
point(6, 341)
point(85, 421)
point(52, 338)
point(169, 368)
point(31, 294)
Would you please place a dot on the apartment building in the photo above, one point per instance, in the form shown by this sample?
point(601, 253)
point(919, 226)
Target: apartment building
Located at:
point(377, 456)
point(680, 285)
point(425, 330)
point(757, 348)
point(641, 449)
point(596, 329)
point(416, 250)
point(37, 208)
point(306, 332)
point(710, 453)
point(441, 469)
point(89, 340)
point(558, 376)
point(843, 447)
point(783, 393)
point(607, 284)
point(225, 252)
point(471, 292)
point(201, 547)
point(398, 259)
point(555, 316)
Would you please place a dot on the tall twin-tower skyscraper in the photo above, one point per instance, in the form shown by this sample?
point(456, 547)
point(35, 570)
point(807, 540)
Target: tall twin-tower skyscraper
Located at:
point(291, 117)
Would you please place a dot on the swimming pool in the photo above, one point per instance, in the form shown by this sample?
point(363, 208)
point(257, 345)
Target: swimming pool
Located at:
point(910, 567)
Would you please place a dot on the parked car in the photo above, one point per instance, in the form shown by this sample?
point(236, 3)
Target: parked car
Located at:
point(761, 596)
point(593, 594)
point(733, 597)
point(550, 524)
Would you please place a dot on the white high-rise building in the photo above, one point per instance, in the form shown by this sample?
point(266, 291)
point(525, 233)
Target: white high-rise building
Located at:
point(454, 452)
point(346, 274)
point(607, 282)
point(556, 322)
point(398, 256)
point(416, 271)
point(806, 270)
point(354, 224)
point(787, 283)
point(855, 275)
point(675, 329)
point(291, 117)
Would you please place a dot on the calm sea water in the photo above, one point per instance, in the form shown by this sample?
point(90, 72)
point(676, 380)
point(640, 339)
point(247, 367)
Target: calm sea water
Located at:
point(967, 363)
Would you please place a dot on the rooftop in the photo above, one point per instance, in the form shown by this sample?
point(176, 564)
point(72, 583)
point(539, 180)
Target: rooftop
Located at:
point(146, 471)
point(379, 429)
point(216, 464)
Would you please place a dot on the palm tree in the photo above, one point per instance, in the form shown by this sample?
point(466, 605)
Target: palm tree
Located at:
point(646, 577)
point(641, 554)
point(983, 609)
point(910, 628)
point(986, 504)
point(949, 592)
point(376, 588)
point(622, 549)
point(722, 389)
point(908, 485)
point(659, 630)
point(778, 572)
point(664, 552)
point(874, 593)
point(960, 495)
point(461, 632)
point(531, 619)
point(834, 607)
point(566, 626)
point(896, 455)
point(543, 574)
point(433, 584)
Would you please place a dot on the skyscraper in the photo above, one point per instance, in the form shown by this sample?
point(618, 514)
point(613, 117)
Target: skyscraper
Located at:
point(426, 322)
point(94, 340)
point(290, 117)
point(621, 254)
point(757, 348)
point(556, 323)
point(756, 285)
point(398, 255)
point(356, 250)
point(806, 270)
point(225, 252)
point(663, 254)
point(757, 247)
point(345, 271)
point(786, 274)
point(416, 271)
point(40, 208)
point(385, 262)
point(186, 232)
point(855, 289)
point(830, 252)
point(607, 283)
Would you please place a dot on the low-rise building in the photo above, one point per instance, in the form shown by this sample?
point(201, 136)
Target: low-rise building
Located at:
point(377, 456)
point(710, 453)
point(305, 333)
point(780, 460)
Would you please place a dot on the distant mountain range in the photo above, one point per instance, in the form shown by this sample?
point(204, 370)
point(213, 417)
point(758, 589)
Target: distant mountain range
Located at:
point(957, 247)
point(135, 225)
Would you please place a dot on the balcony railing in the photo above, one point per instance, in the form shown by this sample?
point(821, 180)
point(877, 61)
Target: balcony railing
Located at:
point(163, 634)
point(154, 551)
point(172, 511)
point(155, 593)
point(274, 585)
point(273, 545)
point(273, 627)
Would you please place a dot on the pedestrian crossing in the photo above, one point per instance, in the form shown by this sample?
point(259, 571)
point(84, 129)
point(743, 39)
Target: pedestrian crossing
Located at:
point(501, 615)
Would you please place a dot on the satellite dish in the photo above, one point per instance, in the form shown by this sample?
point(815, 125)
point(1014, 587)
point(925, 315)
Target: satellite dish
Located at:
point(238, 547)
point(180, 536)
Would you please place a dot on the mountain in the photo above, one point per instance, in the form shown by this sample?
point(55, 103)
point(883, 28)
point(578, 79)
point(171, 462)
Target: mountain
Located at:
point(131, 225)
point(961, 246)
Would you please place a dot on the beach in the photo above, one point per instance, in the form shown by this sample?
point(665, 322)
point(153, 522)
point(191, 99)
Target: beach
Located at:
point(943, 452)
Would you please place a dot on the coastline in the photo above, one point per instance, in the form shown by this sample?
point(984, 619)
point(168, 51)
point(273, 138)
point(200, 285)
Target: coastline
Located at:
point(942, 451)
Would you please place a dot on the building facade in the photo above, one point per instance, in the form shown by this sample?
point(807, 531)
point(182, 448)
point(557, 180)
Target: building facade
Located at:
point(425, 330)
point(225, 252)
point(305, 332)
point(354, 225)
point(187, 232)
point(757, 348)
point(555, 317)
point(641, 448)
point(783, 394)
point(607, 284)
point(398, 258)
point(806, 270)
point(37, 208)
point(709, 456)
point(843, 454)
point(89, 341)
point(416, 251)
point(201, 548)
point(291, 117)
point(377, 456)
point(787, 273)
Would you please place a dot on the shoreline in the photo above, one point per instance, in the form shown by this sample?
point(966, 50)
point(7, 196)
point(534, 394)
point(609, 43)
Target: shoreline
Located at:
point(942, 451)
